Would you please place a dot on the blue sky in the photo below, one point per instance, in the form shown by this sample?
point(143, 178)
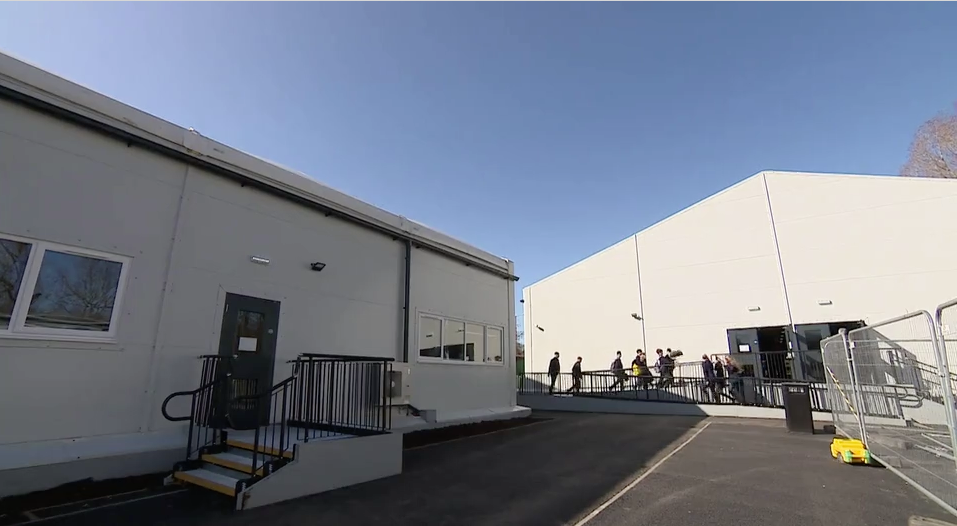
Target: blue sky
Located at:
point(541, 132)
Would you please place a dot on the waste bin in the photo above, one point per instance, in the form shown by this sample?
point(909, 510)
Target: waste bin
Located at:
point(797, 407)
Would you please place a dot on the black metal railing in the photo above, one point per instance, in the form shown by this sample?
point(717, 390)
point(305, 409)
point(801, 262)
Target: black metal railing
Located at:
point(679, 389)
point(878, 400)
point(327, 396)
point(272, 440)
point(206, 415)
point(342, 395)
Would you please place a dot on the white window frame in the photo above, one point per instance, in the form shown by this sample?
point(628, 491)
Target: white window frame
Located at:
point(445, 361)
point(501, 342)
point(17, 328)
point(441, 335)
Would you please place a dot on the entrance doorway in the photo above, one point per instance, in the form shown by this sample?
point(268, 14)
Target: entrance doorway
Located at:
point(767, 353)
point(248, 340)
point(773, 353)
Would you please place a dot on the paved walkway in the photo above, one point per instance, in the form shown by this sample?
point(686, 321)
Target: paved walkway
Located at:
point(558, 471)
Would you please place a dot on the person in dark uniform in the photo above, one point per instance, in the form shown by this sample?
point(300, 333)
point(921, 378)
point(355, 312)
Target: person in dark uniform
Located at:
point(554, 367)
point(576, 377)
point(708, 387)
point(618, 370)
point(719, 375)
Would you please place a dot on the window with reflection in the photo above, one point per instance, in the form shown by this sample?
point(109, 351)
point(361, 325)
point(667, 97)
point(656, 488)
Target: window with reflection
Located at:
point(450, 340)
point(430, 337)
point(13, 265)
point(61, 292)
point(495, 345)
point(453, 340)
point(74, 292)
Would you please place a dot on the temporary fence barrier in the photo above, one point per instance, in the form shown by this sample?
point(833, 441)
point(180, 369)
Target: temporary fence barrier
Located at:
point(841, 391)
point(891, 386)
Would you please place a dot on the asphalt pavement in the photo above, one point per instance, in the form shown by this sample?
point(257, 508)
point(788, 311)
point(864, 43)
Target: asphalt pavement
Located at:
point(558, 471)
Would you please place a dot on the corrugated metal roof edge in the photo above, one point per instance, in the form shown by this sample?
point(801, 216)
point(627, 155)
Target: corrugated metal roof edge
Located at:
point(30, 83)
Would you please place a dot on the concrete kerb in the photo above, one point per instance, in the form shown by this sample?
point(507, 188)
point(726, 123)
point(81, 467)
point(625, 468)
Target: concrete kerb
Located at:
point(639, 407)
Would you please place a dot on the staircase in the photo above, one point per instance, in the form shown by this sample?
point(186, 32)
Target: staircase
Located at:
point(330, 407)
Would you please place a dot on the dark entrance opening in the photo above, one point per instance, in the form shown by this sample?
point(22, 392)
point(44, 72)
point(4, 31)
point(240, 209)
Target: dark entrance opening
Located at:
point(767, 352)
point(773, 352)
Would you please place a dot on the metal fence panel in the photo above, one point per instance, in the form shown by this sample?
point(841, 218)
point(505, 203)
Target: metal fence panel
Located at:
point(897, 364)
point(840, 387)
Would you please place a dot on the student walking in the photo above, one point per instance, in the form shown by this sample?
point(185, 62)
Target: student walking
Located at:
point(719, 378)
point(554, 368)
point(666, 369)
point(733, 372)
point(640, 371)
point(708, 387)
point(576, 377)
point(618, 370)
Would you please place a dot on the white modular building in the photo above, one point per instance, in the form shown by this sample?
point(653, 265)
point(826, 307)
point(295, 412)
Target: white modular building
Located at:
point(132, 246)
point(763, 270)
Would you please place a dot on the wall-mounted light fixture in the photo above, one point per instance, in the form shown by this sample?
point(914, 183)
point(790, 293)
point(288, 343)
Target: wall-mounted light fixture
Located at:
point(317, 266)
point(823, 302)
point(259, 260)
point(539, 327)
point(754, 308)
point(636, 316)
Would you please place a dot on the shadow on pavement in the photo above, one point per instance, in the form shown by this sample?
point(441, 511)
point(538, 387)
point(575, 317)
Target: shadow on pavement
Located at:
point(548, 473)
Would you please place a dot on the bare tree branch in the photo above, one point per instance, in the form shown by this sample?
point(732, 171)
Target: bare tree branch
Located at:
point(934, 150)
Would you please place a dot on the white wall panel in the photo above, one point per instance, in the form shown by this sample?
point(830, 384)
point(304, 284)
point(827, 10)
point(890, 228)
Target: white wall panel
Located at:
point(876, 247)
point(63, 184)
point(351, 307)
point(702, 269)
point(586, 311)
point(444, 287)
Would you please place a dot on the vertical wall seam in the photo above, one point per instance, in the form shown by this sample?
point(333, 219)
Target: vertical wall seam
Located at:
point(777, 253)
point(407, 302)
point(641, 297)
point(150, 395)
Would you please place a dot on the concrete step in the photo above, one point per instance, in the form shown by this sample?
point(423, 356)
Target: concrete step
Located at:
point(237, 460)
point(248, 445)
point(215, 480)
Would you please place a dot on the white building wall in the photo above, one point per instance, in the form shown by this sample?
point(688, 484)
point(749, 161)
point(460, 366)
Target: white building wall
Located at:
point(353, 306)
point(62, 184)
point(585, 310)
point(875, 247)
point(695, 275)
point(705, 267)
point(450, 289)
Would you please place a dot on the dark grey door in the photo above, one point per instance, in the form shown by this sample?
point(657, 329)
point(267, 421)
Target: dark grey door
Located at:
point(248, 336)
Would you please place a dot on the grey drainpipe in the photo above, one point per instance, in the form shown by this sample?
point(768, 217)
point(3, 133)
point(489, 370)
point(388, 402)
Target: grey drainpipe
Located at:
point(408, 295)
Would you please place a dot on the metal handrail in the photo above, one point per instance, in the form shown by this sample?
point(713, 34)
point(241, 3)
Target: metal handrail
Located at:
point(194, 392)
point(346, 357)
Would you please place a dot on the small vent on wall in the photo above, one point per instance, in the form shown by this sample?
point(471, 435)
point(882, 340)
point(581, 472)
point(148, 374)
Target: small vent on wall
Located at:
point(754, 308)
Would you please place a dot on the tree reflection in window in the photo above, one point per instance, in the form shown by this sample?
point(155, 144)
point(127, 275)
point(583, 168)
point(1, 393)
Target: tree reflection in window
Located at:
point(13, 265)
point(74, 292)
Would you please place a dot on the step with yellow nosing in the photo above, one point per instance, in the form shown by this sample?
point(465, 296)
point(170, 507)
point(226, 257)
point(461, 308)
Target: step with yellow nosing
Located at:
point(248, 446)
point(209, 480)
point(235, 462)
